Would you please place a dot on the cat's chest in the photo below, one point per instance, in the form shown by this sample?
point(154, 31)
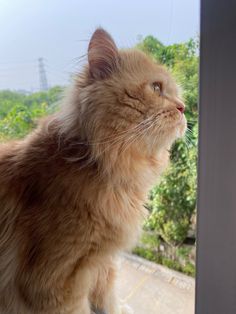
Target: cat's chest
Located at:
point(117, 217)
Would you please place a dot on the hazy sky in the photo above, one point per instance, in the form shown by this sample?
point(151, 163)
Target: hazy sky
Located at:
point(59, 30)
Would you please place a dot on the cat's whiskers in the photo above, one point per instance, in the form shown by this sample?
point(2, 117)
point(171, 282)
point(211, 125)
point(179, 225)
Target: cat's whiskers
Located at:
point(186, 142)
point(154, 119)
point(124, 139)
point(189, 138)
point(112, 137)
point(189, 130)
point(157, 127)
point(142, 134)
point(139, 131)
point(118, 140)
point(82, 58)
point(133, 133)
point(111, 141)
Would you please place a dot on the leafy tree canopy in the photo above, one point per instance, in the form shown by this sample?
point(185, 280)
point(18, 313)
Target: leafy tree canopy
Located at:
point(173, 202)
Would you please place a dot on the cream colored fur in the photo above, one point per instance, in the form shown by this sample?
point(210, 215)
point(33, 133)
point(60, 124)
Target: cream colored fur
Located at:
point(72, 192)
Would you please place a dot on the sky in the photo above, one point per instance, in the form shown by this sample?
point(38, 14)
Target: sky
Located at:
point(59, 32)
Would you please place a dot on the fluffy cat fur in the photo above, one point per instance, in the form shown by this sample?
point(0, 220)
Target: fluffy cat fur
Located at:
point(72, 192)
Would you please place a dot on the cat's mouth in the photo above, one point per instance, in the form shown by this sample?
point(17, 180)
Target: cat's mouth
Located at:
point(174, 120)
point(173, 114)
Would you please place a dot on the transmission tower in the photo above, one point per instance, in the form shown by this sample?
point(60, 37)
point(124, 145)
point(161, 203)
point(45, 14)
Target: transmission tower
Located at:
point(42, 75)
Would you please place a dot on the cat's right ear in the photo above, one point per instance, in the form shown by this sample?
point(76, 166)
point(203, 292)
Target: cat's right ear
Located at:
point(103, 55)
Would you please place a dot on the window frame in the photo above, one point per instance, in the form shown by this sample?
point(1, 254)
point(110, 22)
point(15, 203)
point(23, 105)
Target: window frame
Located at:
point(216, 228)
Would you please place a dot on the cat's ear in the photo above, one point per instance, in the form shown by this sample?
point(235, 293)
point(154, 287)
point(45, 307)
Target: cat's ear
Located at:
point(103, 55)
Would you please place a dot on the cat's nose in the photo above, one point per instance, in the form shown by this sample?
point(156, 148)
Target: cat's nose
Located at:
point(180, 105)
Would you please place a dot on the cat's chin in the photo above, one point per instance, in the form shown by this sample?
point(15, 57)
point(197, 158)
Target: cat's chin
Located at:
point(181, 127)
point(170, 135)
point(178, 129)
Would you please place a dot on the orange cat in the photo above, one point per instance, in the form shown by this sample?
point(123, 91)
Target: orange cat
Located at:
point(72, 192)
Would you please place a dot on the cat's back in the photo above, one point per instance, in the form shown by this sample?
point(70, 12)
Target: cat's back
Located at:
point(9, 182)
point(7, 151)
point(8, 161)
point(8, 216)
point(9, 156)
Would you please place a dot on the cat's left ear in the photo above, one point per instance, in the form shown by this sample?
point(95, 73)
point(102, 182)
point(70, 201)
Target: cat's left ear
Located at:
point(103, 55)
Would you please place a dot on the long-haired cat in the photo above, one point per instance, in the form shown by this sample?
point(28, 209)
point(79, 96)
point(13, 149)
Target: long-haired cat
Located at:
point(72, 192)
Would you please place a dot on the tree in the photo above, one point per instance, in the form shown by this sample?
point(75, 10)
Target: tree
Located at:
point(19, 113)
point(173, 202)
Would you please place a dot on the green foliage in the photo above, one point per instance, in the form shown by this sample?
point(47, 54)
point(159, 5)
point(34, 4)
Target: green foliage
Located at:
point(183, 252)
point(19, 113)
point(150, 240)
point(173, 202)
point(186, 74)
point(20, 120)
point(7, 100)
point(187, 268)
point(169, 55)
point(152, 247)
point(146, 253)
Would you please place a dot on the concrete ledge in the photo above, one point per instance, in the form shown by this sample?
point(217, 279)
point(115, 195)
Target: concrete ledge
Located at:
point(173, 277)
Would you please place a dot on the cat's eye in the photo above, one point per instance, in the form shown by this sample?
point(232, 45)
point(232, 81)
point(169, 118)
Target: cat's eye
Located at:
point(157, 87)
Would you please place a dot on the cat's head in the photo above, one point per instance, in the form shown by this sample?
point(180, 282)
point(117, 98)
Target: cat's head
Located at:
point(128, 99)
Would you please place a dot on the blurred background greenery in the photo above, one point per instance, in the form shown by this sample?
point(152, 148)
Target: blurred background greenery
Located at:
point(169, 232)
